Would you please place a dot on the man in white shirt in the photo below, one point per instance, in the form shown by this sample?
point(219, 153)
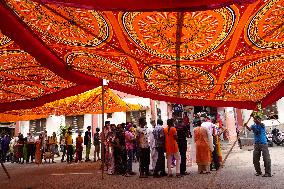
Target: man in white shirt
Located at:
point(159, 137)
point(143, 143)
point(153, 151)
point(208, 125)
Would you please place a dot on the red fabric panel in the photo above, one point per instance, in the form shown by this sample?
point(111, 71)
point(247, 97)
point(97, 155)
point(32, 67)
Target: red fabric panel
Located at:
point(13, 27)
point(146, 5)
point(274, 95)
point(27, 104)
point(197, 102)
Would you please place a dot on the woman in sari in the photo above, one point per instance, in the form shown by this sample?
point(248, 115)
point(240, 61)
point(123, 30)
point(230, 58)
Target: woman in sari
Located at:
point(38, 150)
point(220, 131)
point(204, 148)
point(217, 154)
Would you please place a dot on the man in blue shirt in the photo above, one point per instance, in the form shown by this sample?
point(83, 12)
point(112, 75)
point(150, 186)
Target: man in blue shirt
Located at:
point(260, 145)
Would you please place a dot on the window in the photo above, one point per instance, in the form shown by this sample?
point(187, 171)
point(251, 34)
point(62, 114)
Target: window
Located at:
point(75, 122)
point(109, 115)
point(36, 126)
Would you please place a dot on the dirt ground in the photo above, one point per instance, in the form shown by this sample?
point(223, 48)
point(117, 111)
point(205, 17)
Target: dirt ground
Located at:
point(238, 173)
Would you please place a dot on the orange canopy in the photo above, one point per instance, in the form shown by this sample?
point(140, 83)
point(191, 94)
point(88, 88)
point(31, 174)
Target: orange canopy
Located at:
point(229, 56)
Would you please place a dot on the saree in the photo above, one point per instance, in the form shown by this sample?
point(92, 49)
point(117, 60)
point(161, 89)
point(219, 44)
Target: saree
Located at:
point(38, 153)
point(218, 147)
point(218, 141)
point(203, 147)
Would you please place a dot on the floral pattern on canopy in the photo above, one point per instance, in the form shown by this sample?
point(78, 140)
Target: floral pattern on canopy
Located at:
point(225, 56)
point(89, 102)
point(22, 77)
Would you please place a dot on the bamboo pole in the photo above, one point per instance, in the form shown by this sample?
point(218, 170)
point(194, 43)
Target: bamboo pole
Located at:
point(5, 170)
point(276, 119)
point(103, 134)
point(211, 181)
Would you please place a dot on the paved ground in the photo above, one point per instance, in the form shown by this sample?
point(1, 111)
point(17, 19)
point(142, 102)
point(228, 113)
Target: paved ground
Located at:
point(238, 173)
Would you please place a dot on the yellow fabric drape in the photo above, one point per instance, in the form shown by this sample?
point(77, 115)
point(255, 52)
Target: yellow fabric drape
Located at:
point(86, 103)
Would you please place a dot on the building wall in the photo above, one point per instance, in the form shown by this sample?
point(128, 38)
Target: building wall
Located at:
point(280, 108)
point(246, 116)
point(164, 112)
point(53, 124)
point(117, 118)
point(88, 121)
point(24, 127)
point(145, 102)
point(153, 110)
point(17, 128)
point(231, 123)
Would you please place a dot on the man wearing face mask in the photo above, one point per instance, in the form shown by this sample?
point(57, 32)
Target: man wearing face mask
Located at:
point(260, 146)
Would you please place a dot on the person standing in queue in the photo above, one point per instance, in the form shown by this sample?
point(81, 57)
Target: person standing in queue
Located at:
point(172, 147)
point(143, 143)
point(31, 147)
point(69, 144)
point(88, 143)
point(159, 137)
point(182, 134)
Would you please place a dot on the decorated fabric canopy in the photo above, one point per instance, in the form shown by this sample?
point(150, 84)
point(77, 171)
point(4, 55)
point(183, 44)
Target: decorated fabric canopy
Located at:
point(228, 56)
point(89, 102)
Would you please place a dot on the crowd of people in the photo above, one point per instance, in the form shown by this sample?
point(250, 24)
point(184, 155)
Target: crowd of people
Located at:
point(123, 144)
point(29, 149)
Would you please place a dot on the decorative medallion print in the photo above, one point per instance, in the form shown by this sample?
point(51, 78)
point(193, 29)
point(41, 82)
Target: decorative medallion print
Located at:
point(61, 23)
point(193, 80)
point(4, 40)
point(202, 31)
point(266, 28)
point(100, 67)
point(24, 78)
point(256, 80)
